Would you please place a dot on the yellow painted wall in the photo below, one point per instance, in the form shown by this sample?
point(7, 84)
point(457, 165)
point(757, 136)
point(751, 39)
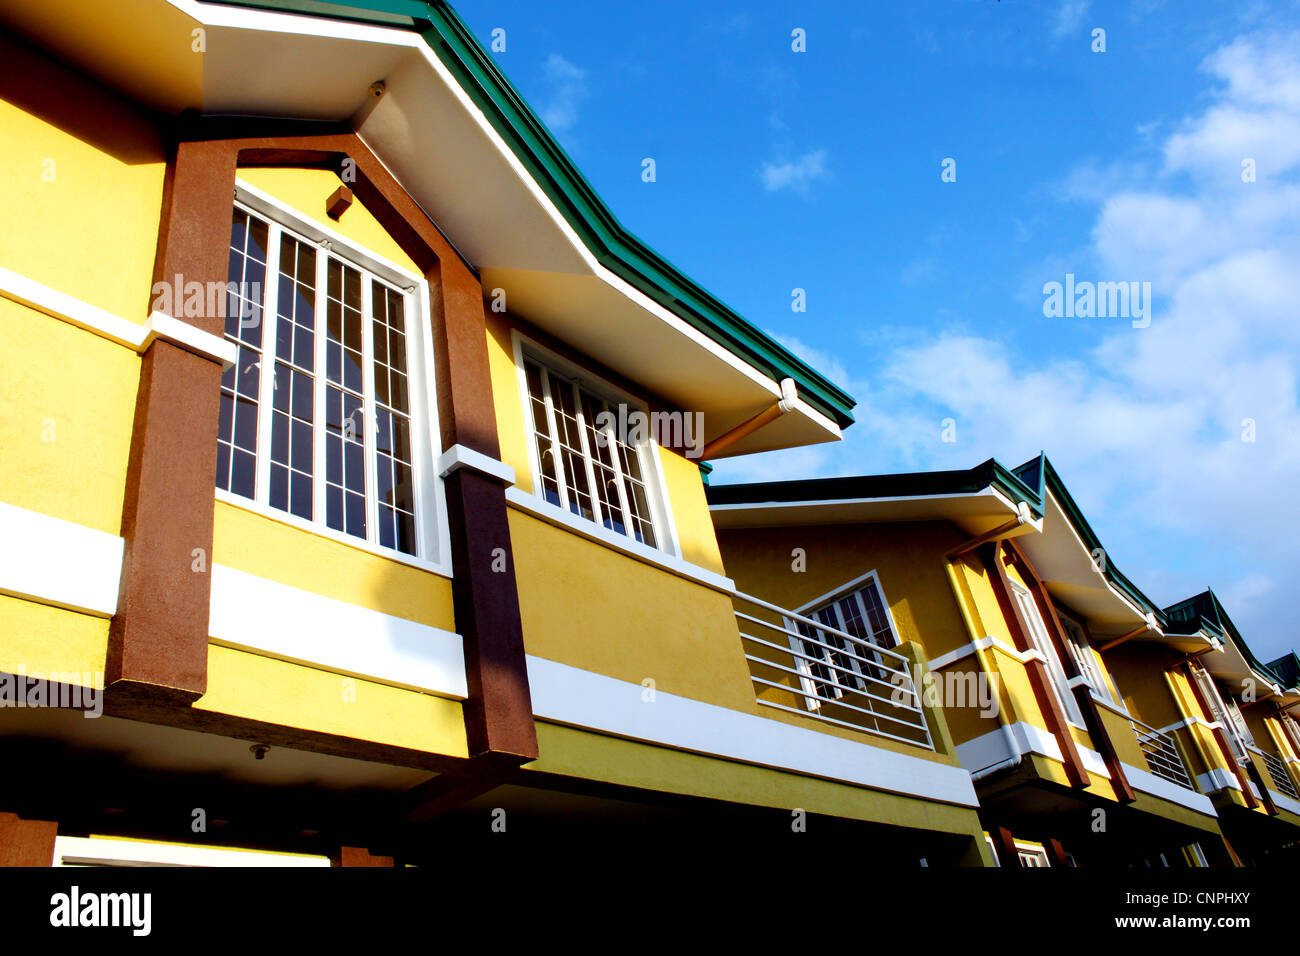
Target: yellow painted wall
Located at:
point(82, 194)
point(42, 638)
point(585, 755)
point(511, 423)
point(594, 608)
point(291, 695)
point(272, 549)
point(65, 419)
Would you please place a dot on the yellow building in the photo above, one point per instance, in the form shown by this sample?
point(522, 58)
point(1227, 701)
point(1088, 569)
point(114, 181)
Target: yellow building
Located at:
point(1070, 697)
point(455, 572)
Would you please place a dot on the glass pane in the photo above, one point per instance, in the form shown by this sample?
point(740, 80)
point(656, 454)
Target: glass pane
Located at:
point(237, 428)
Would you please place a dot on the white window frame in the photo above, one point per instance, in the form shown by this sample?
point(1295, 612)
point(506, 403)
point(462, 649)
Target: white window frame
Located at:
point(1042, 641)
point(1076, 641)
point(831, 598)
point(433, 539)
point(1027, 852)
point(661, 516)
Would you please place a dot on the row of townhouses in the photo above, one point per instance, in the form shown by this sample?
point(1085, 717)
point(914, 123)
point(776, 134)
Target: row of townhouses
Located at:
point(354, 499)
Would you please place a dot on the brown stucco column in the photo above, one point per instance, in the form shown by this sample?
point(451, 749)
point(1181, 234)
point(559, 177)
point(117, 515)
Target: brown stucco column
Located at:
point(498, 711)
point(1005, 845)
point(158, 639)
point(26, 842)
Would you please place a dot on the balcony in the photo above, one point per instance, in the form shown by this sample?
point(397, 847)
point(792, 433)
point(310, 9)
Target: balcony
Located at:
point(1164, 759)
point(1282, 781)
point(805, 667)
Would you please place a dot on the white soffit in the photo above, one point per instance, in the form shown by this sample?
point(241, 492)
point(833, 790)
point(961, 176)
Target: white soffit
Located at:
point(1065, 565)
point(442, 149)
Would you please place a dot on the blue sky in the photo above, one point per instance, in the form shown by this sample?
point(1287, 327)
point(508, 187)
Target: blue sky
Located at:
point(821, 170)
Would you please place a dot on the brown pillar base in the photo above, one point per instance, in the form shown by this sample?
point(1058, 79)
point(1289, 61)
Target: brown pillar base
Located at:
point(26, 842)
point(357, 856)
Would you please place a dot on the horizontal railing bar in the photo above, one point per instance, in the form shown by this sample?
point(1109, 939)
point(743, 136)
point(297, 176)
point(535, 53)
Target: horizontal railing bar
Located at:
point(835, 650)
point(927, 743)
point(785, 612)
point(873, 648)
point(1162, 754)
point(826, 680)
point(837, 684)
point(909, 687)
point(838, 703)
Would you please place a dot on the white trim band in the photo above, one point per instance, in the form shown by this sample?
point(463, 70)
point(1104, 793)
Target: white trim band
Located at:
point(256, 614)
point(460, 456)
point(135, 336)
point(52, 561)
point(569, 695)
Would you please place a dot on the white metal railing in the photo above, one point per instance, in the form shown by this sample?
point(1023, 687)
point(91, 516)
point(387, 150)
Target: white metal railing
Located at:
point(1162, 753)
point(1277, 770)
point(803, 666)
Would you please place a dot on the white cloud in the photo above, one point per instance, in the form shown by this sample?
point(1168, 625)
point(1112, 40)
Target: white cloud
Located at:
point(1068, 17)
point(1146, 425)
point(568, 88)
point(798, 175)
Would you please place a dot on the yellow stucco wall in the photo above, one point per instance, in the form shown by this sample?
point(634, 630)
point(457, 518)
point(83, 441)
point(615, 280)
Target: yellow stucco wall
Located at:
point(37, 637)
point(577, 753)
point(594, 608)
point(259, 688)
point(83, 191)
point(66, 418)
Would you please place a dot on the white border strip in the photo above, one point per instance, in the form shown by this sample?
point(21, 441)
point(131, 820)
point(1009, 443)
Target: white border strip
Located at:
point(461, 456)
point(256, 614)
point(95, 851)
point(990, 749)
point(135, 336)
point(52, 561)
point(569, 695)
point(967, 650)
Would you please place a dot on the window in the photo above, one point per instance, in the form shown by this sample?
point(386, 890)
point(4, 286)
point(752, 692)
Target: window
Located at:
point(1220, 713)
point(830, 664)
point(321, 419)
point(1042, 642)
point(1032, 854)
point(583, 465)
point(1076, 641)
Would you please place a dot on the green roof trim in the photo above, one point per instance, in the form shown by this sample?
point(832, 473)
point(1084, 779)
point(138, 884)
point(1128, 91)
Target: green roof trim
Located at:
point(1206, 610)
point(612, 245)
point(988, 474)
